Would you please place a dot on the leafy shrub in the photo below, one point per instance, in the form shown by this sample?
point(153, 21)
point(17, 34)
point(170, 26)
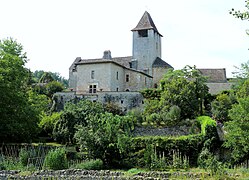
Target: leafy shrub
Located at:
point(56, 159)
point(91, 165)
point(113, 108)
point(220, 107)
point(23, 157)
point(206, 121)
point(47, 122)
point(172, 117)
point(2, 165)
point(137, 115)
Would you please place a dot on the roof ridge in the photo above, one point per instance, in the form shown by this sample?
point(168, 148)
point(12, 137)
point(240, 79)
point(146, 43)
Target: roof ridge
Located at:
point(146, 22)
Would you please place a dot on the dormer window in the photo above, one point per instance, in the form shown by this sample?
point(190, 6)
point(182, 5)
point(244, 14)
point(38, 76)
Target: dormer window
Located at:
point(143, 33)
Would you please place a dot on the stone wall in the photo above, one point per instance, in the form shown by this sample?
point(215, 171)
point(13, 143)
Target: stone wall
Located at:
point(166, 131)
point(126, 100)
point(137, 81)
point(158, 73)
point(72, 174)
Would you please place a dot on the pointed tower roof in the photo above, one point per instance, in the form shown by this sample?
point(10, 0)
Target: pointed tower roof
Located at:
point(146, 22)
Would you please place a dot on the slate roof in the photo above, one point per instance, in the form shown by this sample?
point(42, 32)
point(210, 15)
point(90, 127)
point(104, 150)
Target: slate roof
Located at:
point(124, 61)
point(215, 88)
point(146, 22)
point(214, 75)
point(121, 61)
point(158, 62)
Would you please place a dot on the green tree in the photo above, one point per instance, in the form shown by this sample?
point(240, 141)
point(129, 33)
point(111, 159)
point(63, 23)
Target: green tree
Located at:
point(48, 122)
point(105, 137)
point(53, 87)
point(18, 118)
point(220, 107)
point(39, 77)
point(237, 130)
point(46, 78)
point(182, 96)
point(72, 115)
point(186, 89)
point(243, 90)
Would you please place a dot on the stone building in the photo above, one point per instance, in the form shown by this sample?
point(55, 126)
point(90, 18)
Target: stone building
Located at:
point(143, 69)
point(118, 79)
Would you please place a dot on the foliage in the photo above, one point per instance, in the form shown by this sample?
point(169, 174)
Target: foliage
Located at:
point(53, 87)
point(39, 102)
point(18, 118)
point(113, 108)
point(55, 77)
point(182, 92)
point(55, 159)
point(23, 157)
point(105, 137)
point(48, 89)
point(48, 122)
point(137, 115)
point(205, 121)
point(173, 117)
point(90, 165)
point(46, 78)
point(164, 151)
point(79, 113)
point(237, 130)
point(155, 160)
point(243, 90)
point(209, 161)
point(244, 15)
point(220, 107)
point(151, 93)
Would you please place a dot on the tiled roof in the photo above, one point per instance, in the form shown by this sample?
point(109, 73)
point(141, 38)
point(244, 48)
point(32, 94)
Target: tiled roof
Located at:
point(160, 63)
point(146, 22)
point(214, 75)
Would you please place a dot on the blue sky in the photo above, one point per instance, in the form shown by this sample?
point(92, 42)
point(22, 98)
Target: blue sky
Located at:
point(195, 32)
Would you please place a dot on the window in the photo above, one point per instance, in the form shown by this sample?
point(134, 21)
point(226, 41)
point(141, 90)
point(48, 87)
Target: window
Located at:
point(127, 78)
point(145, 81)
point(117, 75)
point(143, 33)
point(92, 74)
point(92, 88)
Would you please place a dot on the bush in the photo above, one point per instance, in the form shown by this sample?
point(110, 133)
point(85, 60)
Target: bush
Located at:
point(172, 117)
point(56, 159)
point(23, 157)
point(91, 165)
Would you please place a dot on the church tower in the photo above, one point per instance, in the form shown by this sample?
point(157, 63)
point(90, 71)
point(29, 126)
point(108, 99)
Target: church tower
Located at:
point(146, 44)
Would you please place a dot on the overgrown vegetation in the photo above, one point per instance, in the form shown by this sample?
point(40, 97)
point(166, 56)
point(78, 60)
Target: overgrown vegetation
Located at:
point(101, 136)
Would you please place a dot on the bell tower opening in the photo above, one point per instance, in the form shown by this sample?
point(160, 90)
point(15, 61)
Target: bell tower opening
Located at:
point(143, 33)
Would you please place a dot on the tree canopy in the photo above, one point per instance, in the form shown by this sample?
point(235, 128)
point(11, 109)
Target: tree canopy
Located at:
point(18, 118)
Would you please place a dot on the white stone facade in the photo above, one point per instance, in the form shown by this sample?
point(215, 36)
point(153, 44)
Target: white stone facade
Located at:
point(121, 74)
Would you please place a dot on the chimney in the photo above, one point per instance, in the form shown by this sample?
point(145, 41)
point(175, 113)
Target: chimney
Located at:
point(107, 54)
